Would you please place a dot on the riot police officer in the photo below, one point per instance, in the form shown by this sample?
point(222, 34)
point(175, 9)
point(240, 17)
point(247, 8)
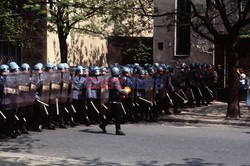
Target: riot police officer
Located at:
point(115, 92)
point(4, 124)
point(65, 114)
point(79, 95)
point(128, 100)
point(39, 113)
point(11, 103)
point(93, 95)
point(25, 106)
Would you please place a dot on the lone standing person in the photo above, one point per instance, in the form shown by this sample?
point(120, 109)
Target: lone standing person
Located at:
point(115, 91)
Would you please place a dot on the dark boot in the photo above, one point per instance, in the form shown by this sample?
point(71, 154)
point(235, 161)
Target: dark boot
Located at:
point(103, 127)
point(119, 132)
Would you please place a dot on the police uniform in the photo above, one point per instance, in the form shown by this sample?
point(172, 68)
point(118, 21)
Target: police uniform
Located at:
point(115, 91)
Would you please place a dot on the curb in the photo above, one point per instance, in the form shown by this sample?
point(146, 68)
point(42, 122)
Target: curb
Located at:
point(196, 121)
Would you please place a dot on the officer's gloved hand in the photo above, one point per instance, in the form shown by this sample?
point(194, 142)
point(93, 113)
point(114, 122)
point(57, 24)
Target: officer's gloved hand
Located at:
point(124, 92)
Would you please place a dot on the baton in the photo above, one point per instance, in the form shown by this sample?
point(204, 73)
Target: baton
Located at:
point(105, 106)
point(57, 107)
point(192, 94)
point(45, 109)
point(39, 101)
point(210, 92)
point(16, 117)
point(73, 108)
point(209, 89)
point(183, 93)
point(123, 109)
point(185, 101)
point(133, 104)
point(94, 107)
point(66, 109)
point(170, 100)
point(137, 104)
point(24, 119)
point(199, 91)
point(146, 100)
point(2, 115)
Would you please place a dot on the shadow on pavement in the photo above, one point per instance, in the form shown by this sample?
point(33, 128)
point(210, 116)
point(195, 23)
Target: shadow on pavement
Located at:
point(95, 132)
point(99, 162)
point(22, 144)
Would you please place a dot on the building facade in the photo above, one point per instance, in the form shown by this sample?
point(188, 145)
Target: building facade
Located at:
point(176, 43)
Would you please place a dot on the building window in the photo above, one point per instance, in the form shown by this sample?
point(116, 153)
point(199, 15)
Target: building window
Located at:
point(10, 51)
point(183, 28)
point(160, 46)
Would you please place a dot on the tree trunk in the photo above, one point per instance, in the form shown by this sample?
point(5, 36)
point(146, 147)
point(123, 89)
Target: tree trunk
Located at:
point(232, 46)
point(63, 47)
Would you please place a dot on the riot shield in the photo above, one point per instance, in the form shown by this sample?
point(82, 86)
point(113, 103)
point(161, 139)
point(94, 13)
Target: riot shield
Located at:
point(149, 88)
point(55, 86)
point(71, 86)
point(103, 82)
point(10, 98)
point(24, 88)
point(65, 86)
point(162, 81)
point(45, 92)
point(34, 79)
point(134, 87)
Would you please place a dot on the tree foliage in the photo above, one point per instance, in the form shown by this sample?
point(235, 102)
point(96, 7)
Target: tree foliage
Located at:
point(98, 17)
point(18, 19)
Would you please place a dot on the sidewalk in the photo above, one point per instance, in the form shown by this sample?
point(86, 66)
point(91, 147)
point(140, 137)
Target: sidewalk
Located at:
point(212, 114)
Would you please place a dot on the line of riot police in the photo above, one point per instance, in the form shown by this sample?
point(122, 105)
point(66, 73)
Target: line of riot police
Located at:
point(50, 96)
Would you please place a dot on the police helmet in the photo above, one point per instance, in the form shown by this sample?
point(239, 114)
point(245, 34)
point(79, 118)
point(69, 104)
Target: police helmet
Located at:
point(25, 67)
point(115, 71)
point(183, 65)
point(136, 65)
point(156, 65)
point(125, 70)
point(4, 68)
point(141, 72)
point(151, 70)
point(12, 63)
point(66, 66)
point(14, 67)
point(61, 66)
point(146, 65)
point(85, 71)
point(92, 70)
point(192, 66)
point(170, 68)
point(79, 68)
point(160, 69)
point(38, 66)
point(104, 69)
point(49, 66)
point(97, 70)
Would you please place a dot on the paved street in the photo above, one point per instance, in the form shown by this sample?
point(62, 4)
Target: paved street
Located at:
point(144, 144)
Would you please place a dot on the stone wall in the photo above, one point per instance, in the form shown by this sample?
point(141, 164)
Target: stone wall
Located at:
point(82, 49)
